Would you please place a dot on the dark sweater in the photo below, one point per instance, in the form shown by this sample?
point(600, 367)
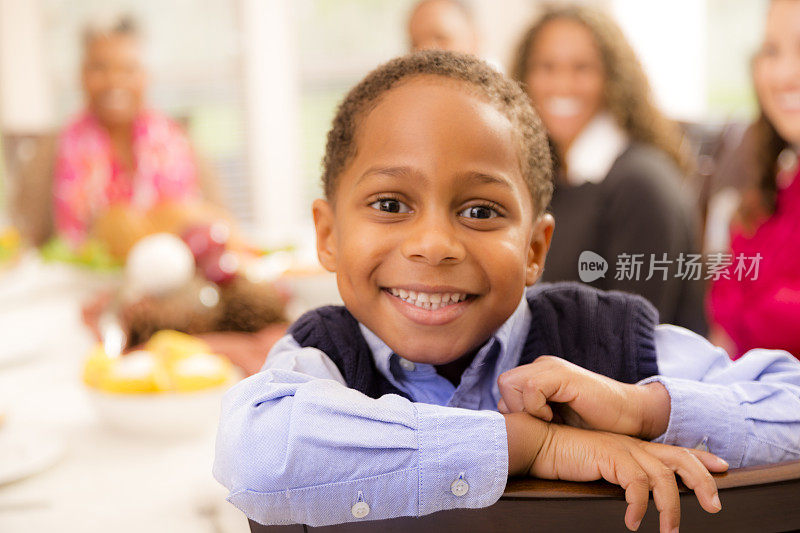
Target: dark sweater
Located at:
point(611, 333)
point(639, 208)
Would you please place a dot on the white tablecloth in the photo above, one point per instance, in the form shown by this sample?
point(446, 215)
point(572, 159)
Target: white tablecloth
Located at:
point(104, 481)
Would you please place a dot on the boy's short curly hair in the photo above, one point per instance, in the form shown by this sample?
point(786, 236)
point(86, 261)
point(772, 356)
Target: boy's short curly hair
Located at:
point(505, 94)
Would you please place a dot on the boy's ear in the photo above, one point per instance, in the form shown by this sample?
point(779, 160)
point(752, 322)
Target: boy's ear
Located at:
point(326, 238)
point(540, 243)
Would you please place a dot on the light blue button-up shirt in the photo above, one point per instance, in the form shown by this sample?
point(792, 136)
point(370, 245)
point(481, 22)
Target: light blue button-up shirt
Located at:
point(295, 445)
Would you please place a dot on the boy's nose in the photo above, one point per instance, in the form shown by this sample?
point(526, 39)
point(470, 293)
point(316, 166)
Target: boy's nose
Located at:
point(433, 241)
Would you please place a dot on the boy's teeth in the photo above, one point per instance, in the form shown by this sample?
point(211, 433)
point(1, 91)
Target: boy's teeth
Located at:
point(429, 300)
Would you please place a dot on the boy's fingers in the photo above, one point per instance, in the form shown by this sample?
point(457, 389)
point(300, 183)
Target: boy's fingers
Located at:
point(630, 476)
point(709, 460)
point(665, 489)
point(511, 392)
point(502, 407)
point(693, 473)
point(535, 402)
point(527, 388)
point(554, 380)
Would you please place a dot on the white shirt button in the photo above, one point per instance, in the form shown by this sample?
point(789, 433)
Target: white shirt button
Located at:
point(459, 487)
point(407, 365)
point(360, 509)
point(703, 446)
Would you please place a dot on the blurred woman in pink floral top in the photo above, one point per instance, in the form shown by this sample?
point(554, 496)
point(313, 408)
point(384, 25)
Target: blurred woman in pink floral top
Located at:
point(763, 308)
point(117, 152)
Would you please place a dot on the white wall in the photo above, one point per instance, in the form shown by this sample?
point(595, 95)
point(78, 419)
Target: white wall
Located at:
point(26, 99)
point(670, 40)
point(271, 90)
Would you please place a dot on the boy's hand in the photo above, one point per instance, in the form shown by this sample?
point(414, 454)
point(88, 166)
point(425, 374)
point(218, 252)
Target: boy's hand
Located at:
point(584, 399)
point(638, 467)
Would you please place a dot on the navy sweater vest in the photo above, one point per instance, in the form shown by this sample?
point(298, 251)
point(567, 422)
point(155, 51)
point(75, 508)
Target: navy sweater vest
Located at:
point(611, 333)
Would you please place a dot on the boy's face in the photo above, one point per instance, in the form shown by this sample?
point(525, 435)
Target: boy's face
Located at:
point(431, 233)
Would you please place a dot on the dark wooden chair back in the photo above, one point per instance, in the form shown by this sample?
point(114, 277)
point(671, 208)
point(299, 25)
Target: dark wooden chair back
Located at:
point(30, 161)
point(762, 498)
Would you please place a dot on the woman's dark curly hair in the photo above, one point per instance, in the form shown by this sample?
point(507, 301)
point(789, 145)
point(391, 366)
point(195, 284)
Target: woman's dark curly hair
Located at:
point(505, 94)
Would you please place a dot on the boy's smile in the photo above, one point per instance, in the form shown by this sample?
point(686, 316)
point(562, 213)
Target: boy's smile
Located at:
point(431, 231)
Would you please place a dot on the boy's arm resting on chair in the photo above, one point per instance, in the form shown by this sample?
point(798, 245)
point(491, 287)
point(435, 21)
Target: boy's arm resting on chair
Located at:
point(292, 448)
point(299, 448)
point(747, 411)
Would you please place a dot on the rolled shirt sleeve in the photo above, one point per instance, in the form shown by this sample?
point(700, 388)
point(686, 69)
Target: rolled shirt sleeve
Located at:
point(747, 411)
point(297, 448)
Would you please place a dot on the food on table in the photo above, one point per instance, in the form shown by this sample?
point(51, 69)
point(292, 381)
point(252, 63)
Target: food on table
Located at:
point(138, 371)
point(201, 282)
point(251, 306)
point(91, 254)
point(10, 244)
point(97, 365)
point(177, 217)
point(158, 264)
point(194, 308)
point(171, 362)
point(195, 285)
point(220, 266)
point(174, 345)
point(200, 371)
point(206, 238)
point(119, 228)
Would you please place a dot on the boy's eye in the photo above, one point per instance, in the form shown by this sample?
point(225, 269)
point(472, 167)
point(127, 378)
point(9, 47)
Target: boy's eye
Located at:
point(390, 205)
point(479, 211)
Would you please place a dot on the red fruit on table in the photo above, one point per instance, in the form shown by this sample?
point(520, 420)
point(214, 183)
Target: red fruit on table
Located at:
point(220, 266)
point(206, 240)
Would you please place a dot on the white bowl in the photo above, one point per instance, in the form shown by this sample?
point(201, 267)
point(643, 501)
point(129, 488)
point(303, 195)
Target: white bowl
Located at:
point(164, 414)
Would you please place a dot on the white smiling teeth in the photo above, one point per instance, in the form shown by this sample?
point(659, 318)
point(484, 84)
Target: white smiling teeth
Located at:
point(429, 300)
point(563, 106)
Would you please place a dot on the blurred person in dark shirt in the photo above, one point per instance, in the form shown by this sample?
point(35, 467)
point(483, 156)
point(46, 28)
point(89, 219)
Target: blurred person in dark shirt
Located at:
point(619, 190)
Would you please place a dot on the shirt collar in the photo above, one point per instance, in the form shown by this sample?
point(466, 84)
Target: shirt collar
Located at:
point(594, 151)
point(510, 336)
point(381, 353)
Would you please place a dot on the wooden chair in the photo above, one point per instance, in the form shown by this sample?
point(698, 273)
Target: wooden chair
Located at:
point(761, 498)
point(30, 159)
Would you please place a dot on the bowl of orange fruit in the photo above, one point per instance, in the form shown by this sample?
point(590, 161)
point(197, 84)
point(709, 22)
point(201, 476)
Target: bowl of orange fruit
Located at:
point(170, 387)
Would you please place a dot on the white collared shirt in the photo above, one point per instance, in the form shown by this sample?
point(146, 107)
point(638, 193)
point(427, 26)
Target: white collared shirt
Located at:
point(595, 150)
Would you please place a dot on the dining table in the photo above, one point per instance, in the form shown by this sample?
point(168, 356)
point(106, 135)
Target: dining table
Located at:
point(61, 467)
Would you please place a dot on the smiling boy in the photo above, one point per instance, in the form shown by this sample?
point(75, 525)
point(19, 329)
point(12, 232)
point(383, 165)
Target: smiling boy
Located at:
point(437, 176)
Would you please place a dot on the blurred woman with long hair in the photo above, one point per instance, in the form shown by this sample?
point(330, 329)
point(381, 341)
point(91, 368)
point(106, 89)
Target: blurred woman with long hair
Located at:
point(756, 303)
point(619, 192)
